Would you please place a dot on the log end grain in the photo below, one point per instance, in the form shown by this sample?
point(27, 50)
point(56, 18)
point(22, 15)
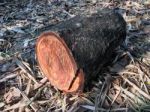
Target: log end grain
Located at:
point(57, 63)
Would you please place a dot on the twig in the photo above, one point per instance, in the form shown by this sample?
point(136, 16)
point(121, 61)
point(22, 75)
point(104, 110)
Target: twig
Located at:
point(10, 76)
point(41, 83)
point(136, 88)
point(23, 68)
point(118, 92)
point(128, 93)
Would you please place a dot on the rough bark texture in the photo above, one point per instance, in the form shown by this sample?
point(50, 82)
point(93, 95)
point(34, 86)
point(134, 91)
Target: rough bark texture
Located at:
point(92, 39)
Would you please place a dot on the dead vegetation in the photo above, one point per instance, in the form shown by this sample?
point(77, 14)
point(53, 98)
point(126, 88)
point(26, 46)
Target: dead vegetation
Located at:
point(124, 85)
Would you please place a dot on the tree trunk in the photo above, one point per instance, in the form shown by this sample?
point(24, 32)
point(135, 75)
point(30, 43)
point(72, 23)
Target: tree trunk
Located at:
point(87, 41)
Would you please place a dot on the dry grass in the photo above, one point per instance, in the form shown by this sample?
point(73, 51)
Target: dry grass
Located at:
point(126, 84)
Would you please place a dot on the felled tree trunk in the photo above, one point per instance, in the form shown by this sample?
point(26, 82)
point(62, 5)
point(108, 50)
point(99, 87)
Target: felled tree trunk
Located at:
point(74, 51)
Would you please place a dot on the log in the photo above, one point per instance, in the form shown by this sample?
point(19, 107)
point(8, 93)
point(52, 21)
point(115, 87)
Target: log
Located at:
point(74, 51)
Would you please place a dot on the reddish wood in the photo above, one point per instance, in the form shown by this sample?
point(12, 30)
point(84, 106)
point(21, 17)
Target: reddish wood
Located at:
point(57, 63)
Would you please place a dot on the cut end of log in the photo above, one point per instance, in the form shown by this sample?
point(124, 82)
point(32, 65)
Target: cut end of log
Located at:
point(57, 63)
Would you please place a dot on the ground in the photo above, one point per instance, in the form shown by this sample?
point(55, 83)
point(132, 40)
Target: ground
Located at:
point(123, 85)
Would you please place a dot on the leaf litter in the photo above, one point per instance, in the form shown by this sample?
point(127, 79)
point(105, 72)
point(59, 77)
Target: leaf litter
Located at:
point(122, 86)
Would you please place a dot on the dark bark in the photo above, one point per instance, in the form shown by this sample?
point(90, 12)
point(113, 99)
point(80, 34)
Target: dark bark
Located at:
point(92, 38)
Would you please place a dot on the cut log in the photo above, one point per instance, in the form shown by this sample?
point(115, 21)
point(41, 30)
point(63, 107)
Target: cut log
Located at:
point(85, 42)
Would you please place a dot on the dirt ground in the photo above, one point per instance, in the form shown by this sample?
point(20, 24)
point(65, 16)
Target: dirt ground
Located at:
point(122, 86)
